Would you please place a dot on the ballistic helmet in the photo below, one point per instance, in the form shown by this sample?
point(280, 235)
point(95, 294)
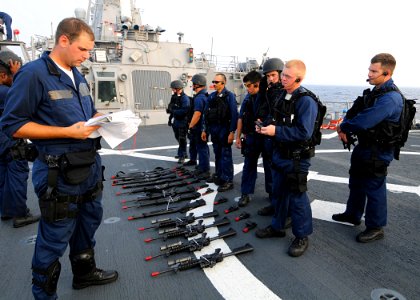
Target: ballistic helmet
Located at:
point(177, 84)
point(199, 80)
point(273, 64)
point(5, 56)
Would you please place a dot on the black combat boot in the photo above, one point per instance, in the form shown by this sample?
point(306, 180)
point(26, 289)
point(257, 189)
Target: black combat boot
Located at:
point(244, 200)
point(85, 272)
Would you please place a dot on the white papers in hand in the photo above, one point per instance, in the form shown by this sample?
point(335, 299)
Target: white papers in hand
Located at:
point(116, 127)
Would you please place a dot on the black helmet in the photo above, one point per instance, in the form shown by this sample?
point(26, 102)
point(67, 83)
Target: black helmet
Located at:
point(273, 64)
point(177, 84)
point(199, 80)
point(5, 56)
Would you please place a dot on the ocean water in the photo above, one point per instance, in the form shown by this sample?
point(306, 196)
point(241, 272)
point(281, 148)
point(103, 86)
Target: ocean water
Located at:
point(340, 98)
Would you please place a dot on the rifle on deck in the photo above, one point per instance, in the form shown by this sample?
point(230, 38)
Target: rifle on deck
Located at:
point(179, 222)
point(189, 231)
point(167, 200)
point(204, 261)
point(121, 176)
point(191, 245)
point(144, 182)
point(185, 208)
point(158, 188)
point(147, 196)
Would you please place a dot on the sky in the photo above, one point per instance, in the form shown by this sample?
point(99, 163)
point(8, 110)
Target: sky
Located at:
point(336, 39)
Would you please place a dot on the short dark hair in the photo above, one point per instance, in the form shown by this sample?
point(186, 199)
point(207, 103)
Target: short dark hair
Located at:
point(5, 68)
point(252, 77)
point(72, 28)
point(223, 76)
point(386, 60)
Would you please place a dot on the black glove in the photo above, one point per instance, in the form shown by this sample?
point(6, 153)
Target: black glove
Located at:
point(169, 122)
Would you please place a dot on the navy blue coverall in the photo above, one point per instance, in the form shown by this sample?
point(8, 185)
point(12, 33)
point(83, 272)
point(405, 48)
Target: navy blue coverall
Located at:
point(387, 107)
point(291, 202)
point(197, 145)
point(15, 173)
point(255, 145)
point(8, 22)
point(44, 94)
point(179, 125)
point(219, 132)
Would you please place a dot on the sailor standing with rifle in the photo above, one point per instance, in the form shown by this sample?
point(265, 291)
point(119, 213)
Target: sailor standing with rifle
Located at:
point(178, 110)
point(373, 118)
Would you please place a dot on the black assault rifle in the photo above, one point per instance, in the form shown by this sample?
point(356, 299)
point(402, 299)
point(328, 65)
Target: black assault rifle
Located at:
point(160, 187)
point(179, 222)
point(185, 208)
point(142, 182)
point(205, 261)
point(191, 245)
point(189, 231)
point(147, 196)
point(167, 200)
point(121, 176)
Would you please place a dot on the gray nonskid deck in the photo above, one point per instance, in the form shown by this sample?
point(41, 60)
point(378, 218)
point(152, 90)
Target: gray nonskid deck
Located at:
point(334, 267)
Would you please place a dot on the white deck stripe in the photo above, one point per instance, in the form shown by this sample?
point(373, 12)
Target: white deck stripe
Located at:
point(231, 278)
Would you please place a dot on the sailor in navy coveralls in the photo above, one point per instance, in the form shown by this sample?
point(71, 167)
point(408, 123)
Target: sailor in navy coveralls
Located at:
point(51, 103)
point(291, 159)
point(370, 159)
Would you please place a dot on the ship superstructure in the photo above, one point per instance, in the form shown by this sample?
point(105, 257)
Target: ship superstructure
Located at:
point(131, 68)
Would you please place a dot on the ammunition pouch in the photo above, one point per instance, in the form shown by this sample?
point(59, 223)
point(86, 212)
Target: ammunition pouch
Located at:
point(23, 151)
point(52, 273)
point(57, 207)
point(75, 167)
point(369, 168)
point(297, 182)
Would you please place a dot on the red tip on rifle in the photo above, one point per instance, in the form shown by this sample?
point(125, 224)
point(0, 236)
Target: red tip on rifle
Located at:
point(237, 219)
point(113, 177)
point(123, 201)
point(125, 207)
point(246, 229)
point(219, 201)
point(118, 193)
point(130, 218)
point(124, 187)
point(148, 240)
point(154, 274)
point(147, 258)
point(140, 229)
point(114, 184)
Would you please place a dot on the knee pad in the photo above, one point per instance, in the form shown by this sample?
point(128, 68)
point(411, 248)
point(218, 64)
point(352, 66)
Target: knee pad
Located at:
point(297, 182)
point(52, 273)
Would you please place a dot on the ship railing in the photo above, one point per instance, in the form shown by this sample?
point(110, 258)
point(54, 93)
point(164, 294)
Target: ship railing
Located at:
point(220, 63)
point(336, 109)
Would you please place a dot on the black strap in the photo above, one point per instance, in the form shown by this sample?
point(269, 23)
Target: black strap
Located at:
point(53, 162)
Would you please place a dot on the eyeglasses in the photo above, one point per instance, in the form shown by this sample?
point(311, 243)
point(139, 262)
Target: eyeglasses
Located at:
point(216, 82)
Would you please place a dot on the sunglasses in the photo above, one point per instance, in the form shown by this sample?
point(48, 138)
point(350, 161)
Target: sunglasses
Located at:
point(216, 82)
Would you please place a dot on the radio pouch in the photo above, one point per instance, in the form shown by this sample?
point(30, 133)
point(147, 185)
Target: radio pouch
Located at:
point(76, 166)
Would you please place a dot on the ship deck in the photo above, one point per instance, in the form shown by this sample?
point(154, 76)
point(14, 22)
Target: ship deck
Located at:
point(335, 266)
